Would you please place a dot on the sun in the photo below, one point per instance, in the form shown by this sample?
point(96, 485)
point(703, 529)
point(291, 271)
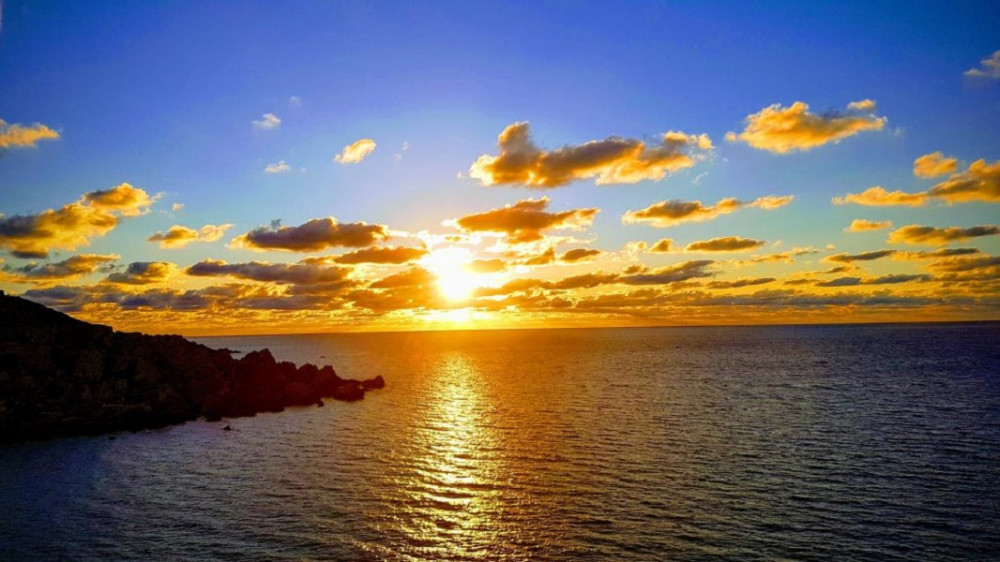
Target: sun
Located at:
point(454, 281)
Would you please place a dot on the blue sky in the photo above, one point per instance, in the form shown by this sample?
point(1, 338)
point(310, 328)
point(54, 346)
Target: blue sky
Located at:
point(162, 96)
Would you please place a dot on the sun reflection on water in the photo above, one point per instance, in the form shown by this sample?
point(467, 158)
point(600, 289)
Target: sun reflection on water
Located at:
point(449, 497)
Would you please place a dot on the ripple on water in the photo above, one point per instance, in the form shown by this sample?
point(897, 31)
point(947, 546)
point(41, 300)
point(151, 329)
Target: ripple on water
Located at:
point(805, 443)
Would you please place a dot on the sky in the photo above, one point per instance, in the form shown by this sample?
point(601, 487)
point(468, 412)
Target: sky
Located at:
point(262, 167)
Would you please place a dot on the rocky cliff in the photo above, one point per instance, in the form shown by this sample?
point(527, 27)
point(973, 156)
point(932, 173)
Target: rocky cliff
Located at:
point(60, 376)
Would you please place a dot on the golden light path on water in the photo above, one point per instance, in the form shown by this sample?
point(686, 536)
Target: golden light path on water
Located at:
point(448, 496)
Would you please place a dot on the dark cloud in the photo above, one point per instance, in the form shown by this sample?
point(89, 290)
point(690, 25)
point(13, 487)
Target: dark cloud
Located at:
point(932, 236)
point(74, 266)
point(863, 256)
point(281, 273)
point(314, 235)
point(143, 273)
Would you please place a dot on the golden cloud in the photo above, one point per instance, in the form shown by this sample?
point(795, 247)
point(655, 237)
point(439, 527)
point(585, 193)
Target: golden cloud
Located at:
point(355, 152)
point(932, 236)
point(934, 164)
point(673, 212)
point(864, 225)
point(877, 196)
point(178, 236)
point(525, 221)
point(382, 255)
point(579, 254)
point(614, 160)
point(311, 236)
point(725, 244)
point(74, 266)
point(980, 182)
point(782, 130)
point(73, 225)
point(494, 265)
point(17, 135)
point(662, 246)
point(125, 199)
point(143, 273)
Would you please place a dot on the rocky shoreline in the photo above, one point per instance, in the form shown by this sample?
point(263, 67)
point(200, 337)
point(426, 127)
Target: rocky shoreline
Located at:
point(61, 377)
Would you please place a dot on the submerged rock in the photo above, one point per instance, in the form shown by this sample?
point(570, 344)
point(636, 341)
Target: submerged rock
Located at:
point(60, 376)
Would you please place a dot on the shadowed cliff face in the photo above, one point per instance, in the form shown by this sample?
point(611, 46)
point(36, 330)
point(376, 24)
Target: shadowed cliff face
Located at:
point(60, 376)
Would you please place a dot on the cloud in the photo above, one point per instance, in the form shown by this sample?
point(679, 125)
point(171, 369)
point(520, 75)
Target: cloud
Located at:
point(72, 225)
point(936, 254)
point(878, 196)
point(579, 254)
point(143, 273)
point(278, 168)
point(125, 199)
point(726, 244)
point(313, 235)
point(740, 283)
point(673, 212)
point(988, 68)
point(355, 152)
point(177, 207)
point(178, 236)
point(614, 160)
point(662, 246)
point(414, 277)
point(495, 265)
point(19, 136)
point(782, 130)
point(281, 273)
point(671, 273)
point(964, 263)
point(382, 255)
point(864, 225)
point(980, 182)
point(268, 121)
point(863, 256)
point(932, 236)
point(74, 266)
point(544, 258)
point(525, 221)
point(883, 280)
point(933, 164)
point(787, 257)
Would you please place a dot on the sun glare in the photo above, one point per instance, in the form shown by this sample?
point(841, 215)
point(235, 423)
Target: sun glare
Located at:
point(454, 281)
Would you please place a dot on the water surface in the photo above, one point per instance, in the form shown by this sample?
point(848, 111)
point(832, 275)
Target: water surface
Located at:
point(806, 443)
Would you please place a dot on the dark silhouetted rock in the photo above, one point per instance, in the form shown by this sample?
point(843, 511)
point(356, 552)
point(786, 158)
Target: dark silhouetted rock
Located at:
point(60, 376)
point(375, 383)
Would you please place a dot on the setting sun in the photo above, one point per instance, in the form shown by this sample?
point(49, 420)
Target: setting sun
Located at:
point(454, 281)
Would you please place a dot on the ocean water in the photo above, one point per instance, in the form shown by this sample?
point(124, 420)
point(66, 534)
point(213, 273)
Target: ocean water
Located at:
point(761, 443)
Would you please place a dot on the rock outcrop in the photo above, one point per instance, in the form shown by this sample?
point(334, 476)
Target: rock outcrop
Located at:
point(60, 376)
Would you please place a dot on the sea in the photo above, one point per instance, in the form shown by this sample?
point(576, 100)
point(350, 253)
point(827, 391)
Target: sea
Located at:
point(862, 442)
